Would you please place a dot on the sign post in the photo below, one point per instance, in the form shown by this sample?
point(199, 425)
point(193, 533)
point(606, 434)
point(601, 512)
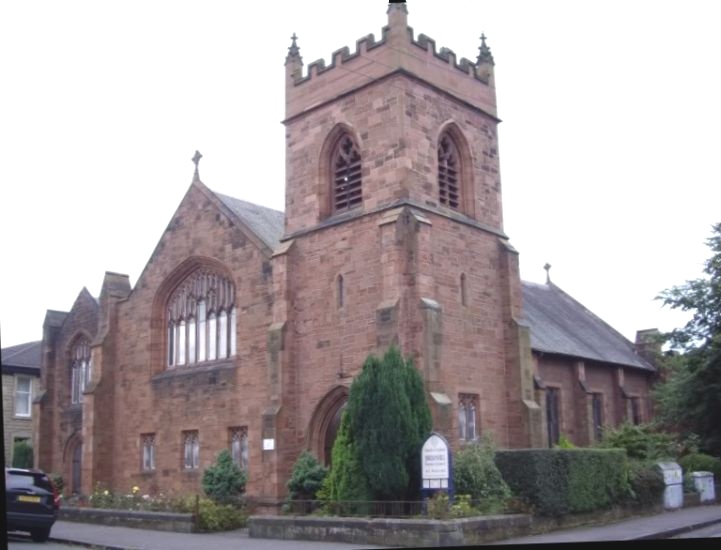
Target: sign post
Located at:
point(436, 467)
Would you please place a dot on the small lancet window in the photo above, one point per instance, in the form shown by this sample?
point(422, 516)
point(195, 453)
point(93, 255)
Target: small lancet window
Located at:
point(341, 291)
point(467, 417)
point(346, 175)
point(448, 173)
point(463, 290)
point(201, 320)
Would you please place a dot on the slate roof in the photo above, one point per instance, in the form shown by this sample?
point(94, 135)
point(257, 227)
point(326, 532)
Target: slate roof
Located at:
point(27, 355)
point(559, 324)
point(266, 223)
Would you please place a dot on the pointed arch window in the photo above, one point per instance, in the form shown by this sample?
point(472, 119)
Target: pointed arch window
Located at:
point(239, 446)
point(80, 369)
point(346, 175)
point(201, 320)
point(467, 405)
point(449, 170)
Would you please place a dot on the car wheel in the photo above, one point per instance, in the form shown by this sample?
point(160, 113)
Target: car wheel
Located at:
point(40, 535)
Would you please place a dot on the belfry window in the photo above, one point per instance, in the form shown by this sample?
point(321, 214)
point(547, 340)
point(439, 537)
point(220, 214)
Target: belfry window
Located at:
point(80, 368)
point(346, 175)
point(201, 320)
point(448, 173)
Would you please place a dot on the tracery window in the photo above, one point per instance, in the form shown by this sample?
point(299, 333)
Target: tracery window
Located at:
point(148, 457)
point(467, 405)
point(239, 446)
point(448, 172)
point(201, 320)
point(80, 369)
point(346, 175)
point(191, 450)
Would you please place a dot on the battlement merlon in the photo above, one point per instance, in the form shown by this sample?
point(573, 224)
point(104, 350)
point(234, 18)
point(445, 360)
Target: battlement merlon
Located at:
point(397, 50)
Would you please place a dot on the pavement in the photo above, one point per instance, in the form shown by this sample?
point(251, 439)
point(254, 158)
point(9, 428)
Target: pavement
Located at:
point(660, 526)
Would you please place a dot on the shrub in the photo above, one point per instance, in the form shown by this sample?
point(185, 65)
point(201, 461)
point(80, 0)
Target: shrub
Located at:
point(22, 455)
point(646, 481)
point(389, 421)
point(307, 477)
point(561, 481)
point(699, 462)
point(224, 481)
point(463, 507)
point(437, 506)
point(640, 441)
point(346, 480)
point(476, 474)
point(211, 515)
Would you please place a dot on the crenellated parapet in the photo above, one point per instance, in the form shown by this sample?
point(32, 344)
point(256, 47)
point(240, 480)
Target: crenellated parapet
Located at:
point(398, 50)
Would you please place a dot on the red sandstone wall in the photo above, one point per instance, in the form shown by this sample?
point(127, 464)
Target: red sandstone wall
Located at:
point(153, 399)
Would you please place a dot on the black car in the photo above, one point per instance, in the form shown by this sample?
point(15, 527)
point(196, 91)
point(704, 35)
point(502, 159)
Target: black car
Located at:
point(31, 502)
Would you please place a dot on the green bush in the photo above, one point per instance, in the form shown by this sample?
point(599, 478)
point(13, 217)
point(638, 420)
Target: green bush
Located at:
point(646, 481)
point(211, 515)
point(476, 474)
point(224, 481)
point(641, 441)
point(307, 477)
point(699, 462)
point(346, 480)
point(389, 421)
point(561, 481)
point(22, 455)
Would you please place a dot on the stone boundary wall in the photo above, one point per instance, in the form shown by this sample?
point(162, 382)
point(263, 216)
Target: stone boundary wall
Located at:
point(390, 531)
point(141, 519)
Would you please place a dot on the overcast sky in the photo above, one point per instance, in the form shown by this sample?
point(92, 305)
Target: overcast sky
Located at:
point(609, 144)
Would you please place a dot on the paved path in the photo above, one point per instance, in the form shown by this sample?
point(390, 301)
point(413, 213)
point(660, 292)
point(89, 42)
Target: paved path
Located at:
point(129, 538)
point(660, 526)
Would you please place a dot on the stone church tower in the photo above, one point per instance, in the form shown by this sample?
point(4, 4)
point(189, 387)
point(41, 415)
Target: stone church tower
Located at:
point(394, 235)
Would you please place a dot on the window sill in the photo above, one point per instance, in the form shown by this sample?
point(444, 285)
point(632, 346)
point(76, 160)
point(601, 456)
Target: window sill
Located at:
point(191, 370)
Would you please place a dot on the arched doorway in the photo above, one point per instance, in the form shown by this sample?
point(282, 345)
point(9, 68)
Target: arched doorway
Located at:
point(325, 422)
point(331, 432)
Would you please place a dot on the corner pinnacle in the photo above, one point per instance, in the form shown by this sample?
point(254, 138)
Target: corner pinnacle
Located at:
point(294, 50)
point(484, 52)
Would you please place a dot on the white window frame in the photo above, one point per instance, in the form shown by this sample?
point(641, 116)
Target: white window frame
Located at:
point(23, 396)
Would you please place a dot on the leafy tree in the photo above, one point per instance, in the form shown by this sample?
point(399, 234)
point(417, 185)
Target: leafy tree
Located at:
point(307, 477)
point(224, 480)
point(389, 420)
point(691, 397)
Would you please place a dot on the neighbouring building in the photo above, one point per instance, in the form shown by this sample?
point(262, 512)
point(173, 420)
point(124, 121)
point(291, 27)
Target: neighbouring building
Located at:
point(247, 325)
point(20, 375)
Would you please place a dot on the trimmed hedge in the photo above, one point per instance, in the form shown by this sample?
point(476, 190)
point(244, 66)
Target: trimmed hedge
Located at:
point(562, 481)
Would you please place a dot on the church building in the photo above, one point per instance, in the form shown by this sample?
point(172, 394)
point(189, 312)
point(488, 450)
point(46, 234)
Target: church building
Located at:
point(247, 326)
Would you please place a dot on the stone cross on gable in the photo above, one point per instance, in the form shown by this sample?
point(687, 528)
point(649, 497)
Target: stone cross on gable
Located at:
point(196, 159)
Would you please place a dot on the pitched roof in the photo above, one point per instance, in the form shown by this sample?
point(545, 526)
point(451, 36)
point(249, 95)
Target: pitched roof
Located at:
point(559, 324)
point(27, 355)
point(266, 223)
